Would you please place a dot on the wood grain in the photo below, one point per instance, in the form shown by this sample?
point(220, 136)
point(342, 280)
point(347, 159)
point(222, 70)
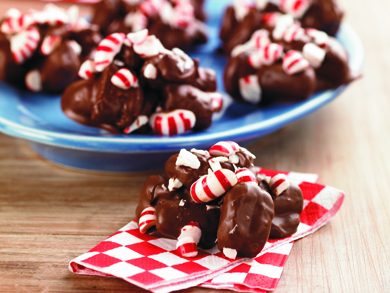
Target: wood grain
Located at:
point(49, 215)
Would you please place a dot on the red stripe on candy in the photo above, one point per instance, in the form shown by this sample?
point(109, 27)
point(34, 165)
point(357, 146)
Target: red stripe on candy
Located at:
point(186, 248)
point(123, 79)
point(104, 48)
point(193, 193)
point(186, 122)
point(276, 184)
point(102, 62)
point(172, 126)
point(157, 125)
point(223, 180)
point(292, 63)
point(112, 39)
point(220, 148)
point(206, 189)
point(148, 212)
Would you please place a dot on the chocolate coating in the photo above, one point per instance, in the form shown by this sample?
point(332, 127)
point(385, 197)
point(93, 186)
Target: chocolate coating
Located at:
point(97, 102)
point(185, 174)
point(246, 217)
point(60, 68)
point(171, 217)
point(288, 208)
point(190, 98)
point(276, 85)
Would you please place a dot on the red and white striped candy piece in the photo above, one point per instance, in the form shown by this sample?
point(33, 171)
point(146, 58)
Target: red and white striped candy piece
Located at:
point(138, 123)
point(49, 44)
point(138, 37)
point(87, 69)
point(183, 14)
point(15, 23)
point(296, 8)
point(224, 148)
point(189, 238)
point(33, 80)
point(147, 219)
point(278, 184)
point(212, 186)
point(137, 21)
point(151, 7)
point(173, 122)
point(282, 23)
point(124, 79)
point(215, 163)
point(314, 54)
point(150, 47)
point(321, 39)
point(52, 15)
point(261, 38)
point(295, 33)
point(24, 44)
point(216, 101)
point(270, 18)
point(244, 175)
point(261, 4)
point(293, 62)
point(266, 55)
point(250, 89)
point(150, 71)
point(107, 49)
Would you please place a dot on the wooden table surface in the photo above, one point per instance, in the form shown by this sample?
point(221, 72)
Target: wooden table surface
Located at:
point(49, 215)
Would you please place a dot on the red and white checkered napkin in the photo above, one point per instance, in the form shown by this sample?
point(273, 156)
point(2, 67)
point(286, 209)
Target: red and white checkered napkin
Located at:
point(153, 264)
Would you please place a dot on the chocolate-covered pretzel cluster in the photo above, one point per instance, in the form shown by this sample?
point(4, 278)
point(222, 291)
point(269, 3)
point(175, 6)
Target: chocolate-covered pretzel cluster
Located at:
point(135, 84)
point(241, 19)
point(284, 62)
point(177, 23)
point(43, 50)
point(217, 196)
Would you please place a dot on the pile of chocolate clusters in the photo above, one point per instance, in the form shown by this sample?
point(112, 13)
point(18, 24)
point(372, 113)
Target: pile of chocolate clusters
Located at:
point(177, 23)
point(218, 196)
point(273, 58)
point(135, 84)
point(126, 71)
point(43, 50)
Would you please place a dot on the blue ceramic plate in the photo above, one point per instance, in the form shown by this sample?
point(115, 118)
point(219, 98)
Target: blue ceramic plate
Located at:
point(38, 119)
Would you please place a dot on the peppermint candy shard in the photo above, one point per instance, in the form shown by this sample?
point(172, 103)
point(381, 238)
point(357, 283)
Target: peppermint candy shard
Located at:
point(241, 9)
point(137, 124)
point(187, 241)
point(224, 148)
point(75, 46)
point(49, 44)
point(87, 69)
point(139, 37)
point(212, 186)
point(136, 20)
point(215, 163)
point(150, 47)
point(261, 38)
point(173, 122)
point(150, 71)
point(250, 89)
point(24, 44)
point(147, 219)
point(33, 80)
point(279, 184)
point(124, 79)
point(321, 39)
point(187, 159)
point(297, 8)
point(314, 54)
point(174, 184)
point(245, 175)
point(230, 253)
point(293, 63)
point(107, 49)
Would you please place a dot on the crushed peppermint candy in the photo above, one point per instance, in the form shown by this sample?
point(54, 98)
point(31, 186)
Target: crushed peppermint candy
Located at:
point(187, 159)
